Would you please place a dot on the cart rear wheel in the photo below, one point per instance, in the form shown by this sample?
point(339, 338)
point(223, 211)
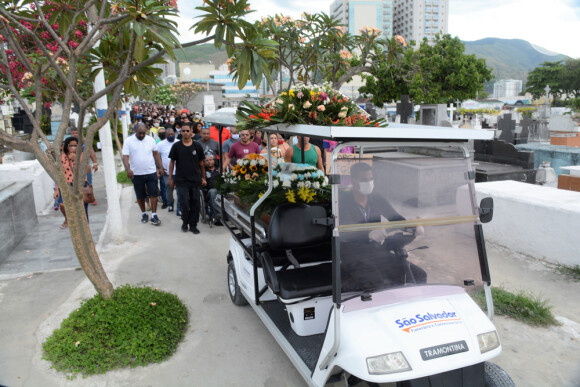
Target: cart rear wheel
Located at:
point(495, 376)
point(233, 287)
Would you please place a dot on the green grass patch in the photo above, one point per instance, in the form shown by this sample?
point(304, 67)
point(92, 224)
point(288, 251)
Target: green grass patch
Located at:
point(572, 272)
point(136, 327)
point(522, 306)
point(122, 178)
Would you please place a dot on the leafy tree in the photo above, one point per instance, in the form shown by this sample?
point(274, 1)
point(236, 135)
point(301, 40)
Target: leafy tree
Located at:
point(440, 73)
point(570, 78)
point(185, 92)
point(549, 73)
point(164, 95)
point(49, 49)
point(313, 49)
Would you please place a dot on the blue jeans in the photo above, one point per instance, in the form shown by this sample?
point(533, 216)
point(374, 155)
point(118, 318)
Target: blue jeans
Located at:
point(169, 192)
point(210, 195)
point(162, 185)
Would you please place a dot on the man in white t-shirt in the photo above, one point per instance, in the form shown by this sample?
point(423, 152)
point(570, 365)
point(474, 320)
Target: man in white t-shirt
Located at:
point(143, 165)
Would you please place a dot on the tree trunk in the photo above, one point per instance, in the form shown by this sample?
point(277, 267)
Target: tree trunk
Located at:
point(82, 242)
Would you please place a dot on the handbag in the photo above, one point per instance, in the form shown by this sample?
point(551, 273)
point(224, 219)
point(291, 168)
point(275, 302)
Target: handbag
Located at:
point(88, 194)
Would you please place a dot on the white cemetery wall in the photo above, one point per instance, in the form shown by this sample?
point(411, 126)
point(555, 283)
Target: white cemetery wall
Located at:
point(32, 171)
point(541, 222)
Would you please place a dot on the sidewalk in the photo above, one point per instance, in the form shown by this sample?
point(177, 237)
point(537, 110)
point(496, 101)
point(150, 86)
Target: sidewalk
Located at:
point(47, 247)
point(226, 345)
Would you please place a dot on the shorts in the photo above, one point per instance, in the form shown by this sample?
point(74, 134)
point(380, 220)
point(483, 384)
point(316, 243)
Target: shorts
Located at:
point(145, 185)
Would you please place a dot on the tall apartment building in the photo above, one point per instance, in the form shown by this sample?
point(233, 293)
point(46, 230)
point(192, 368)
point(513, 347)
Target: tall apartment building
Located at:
point(356, 14)
point(412, 19)
point(507, 88)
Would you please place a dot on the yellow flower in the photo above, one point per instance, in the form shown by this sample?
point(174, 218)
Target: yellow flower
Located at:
point(243, 170)
point(290, 196)
point(291, 92)
point(306, 195)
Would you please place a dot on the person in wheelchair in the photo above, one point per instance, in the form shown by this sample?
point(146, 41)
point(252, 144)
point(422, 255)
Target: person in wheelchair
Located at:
point(374, 259)
point(209, 191)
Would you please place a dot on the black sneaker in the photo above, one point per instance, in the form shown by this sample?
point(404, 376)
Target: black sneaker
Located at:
point(164, 206)
point(178, 213)
point(194, 230)
point(170, 209)
point(184, 228)
point(145, 218)
point(155, 220)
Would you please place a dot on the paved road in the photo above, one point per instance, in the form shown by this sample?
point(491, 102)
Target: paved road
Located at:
point(227, 345)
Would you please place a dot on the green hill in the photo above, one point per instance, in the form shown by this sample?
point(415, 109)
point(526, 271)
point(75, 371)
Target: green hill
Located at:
point(509, 58)
point(202, 53)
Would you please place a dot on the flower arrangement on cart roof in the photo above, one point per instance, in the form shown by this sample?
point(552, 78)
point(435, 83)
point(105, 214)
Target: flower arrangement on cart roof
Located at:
point(305, 104)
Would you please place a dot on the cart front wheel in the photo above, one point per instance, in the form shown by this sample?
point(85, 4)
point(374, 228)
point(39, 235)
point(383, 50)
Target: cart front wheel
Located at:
point(495, 376)
point(233, 287)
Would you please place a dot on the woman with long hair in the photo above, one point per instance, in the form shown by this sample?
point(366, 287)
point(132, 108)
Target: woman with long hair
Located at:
point(68, 157)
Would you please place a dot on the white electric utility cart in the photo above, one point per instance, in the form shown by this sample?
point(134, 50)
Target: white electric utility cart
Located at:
point(386, 300)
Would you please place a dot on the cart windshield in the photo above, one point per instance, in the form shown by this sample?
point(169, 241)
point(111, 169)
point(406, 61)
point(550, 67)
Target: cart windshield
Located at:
point(406, 216)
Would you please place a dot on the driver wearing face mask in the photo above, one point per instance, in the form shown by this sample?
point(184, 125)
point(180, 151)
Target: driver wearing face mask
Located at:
point(363, 205)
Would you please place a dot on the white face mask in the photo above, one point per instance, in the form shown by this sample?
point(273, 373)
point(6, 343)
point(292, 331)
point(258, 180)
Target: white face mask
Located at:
point(366, 187)
point(235, 136)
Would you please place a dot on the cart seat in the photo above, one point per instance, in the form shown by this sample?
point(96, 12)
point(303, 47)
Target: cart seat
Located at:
point(307, 281)
point(292, 228)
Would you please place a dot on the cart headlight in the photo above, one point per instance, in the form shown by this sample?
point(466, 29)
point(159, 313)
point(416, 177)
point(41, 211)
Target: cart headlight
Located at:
point(388, 363)
point(488, 341)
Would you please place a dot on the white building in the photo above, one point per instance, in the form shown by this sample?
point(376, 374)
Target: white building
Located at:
point(412, 19)
point(230, 88)
point(418, 19)
point(507, 88)
point(356, 14)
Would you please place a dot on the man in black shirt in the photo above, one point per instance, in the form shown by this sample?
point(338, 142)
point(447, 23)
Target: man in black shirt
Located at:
point(187, 156)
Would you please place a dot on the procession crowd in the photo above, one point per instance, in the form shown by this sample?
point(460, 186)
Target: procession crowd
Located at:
point(176, 150)
point(172, 156)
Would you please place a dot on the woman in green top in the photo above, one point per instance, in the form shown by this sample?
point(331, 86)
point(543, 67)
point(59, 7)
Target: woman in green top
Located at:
point(312, 155)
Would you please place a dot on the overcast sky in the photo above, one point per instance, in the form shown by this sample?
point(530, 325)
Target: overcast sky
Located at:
point(551, 24)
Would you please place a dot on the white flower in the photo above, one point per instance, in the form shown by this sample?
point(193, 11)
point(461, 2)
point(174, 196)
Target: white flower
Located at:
point(316, 185)
point(300, 184)
point(240, 162)
point(279, 101)
point(293, 176)
point(261, 162)
point(286, 184)
point(307, 175)
point(275, 183)
point(342, 114)
point(325, 182)
point(253, 163)
point(306, 105)
point(308, 184)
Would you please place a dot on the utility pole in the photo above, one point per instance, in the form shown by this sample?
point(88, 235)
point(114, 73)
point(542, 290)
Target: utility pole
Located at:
point(113, 205)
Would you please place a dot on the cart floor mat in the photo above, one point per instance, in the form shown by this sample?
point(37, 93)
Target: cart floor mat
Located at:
point(307, 347)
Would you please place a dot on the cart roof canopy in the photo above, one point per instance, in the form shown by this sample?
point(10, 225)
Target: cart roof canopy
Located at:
point(223, 116)
point(391, 132)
